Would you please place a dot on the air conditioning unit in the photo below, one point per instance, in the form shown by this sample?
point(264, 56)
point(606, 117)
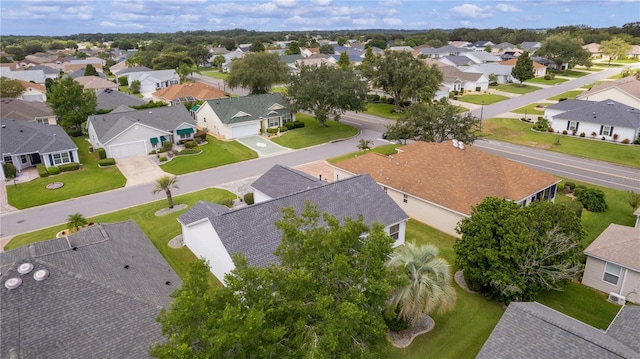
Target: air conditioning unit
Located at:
point(616, 298)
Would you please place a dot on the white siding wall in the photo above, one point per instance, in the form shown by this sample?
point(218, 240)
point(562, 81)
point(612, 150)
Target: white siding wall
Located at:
point(260, 196)
point(612, 94)
point(204, 242)
point(208, 119)
point(629, 280)
point(135, 133)
point(560, 125)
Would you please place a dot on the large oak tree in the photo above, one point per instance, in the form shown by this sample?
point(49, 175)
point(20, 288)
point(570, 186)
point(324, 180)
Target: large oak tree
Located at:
point(563, 48)
point(257, 71)
point(71, 102)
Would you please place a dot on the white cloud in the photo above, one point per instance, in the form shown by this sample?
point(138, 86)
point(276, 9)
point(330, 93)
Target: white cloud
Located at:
point(507, 8)
point(108, 24)
point(390, 2)
point(189, 18)
point(128, 5)
point(244, 9)
point(42, 9)
point(285, 3)
point(364, 22)
point(321, 2)
point(470, 11)
point(392, 21)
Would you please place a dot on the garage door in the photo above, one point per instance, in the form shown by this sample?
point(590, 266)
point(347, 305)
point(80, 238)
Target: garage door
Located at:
point(128, 150)
point(244, 131)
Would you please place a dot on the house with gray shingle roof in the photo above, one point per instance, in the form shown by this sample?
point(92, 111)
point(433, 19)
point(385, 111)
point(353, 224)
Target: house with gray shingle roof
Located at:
point(625, 90)
point(131, 133)
point(16, 109)
point(455, 80)
point(244, 116)
point(532, 330)
point(270, 184)
point(502, 72)
point(606, 119)
point(216, 233)
point(151, 81)
point(109, 99)
point(93, 294)
point(27, 144)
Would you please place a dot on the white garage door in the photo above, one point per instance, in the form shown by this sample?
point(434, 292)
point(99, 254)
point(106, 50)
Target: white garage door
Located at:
point(244, 131)
point(128, 150)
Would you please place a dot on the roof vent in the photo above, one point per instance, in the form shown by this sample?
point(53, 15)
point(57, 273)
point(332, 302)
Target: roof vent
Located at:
point(74, 248)
point(25, 268)
point(12, 283)
point(167, 282)
point(126, 266)
point(41, 275)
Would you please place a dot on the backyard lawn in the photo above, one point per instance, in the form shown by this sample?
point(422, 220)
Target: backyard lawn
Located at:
point(88, 180)
point(215, 153)
point(515, 88)
point(518, 132)
point(313, 134)
point(478, 99)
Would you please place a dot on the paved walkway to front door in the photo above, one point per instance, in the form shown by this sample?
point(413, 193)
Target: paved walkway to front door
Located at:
point(262, 146)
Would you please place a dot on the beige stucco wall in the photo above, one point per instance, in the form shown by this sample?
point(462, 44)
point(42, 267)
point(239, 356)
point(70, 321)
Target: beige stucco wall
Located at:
point(629, 280)
point(612, 94)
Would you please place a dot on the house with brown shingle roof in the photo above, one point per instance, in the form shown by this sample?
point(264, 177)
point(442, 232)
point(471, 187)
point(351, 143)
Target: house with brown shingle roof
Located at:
point(96, 83)
point(613, 261)
point(33, 92)
point(625, 90)
point(439, 184)
point(539, 70)
point(188, 92)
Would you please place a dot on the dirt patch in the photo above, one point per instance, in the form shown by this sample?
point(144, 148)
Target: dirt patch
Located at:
point(403, 338)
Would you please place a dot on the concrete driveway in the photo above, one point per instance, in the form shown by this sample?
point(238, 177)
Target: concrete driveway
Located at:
point(262, 146)
point(139, 170)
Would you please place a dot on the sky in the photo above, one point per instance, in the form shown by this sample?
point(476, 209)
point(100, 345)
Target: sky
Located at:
point(68, 17)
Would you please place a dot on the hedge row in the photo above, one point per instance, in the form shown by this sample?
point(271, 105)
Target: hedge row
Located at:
point(107, 162)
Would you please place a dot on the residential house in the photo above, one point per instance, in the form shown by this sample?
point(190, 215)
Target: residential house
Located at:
point(27, 144)
point(456, 60)
point(188, 93)
point(634, 53)
point(127, 70)
point(462, 44)
point(109, 99)
point(539, 70)
point(93, 294)
point(595, 50)
point(479, 46)
point(309, 51)
point(71, 67)
point(95, 83)
point(33, 92)
point(152, 81)
point(439, 183)
point(481, 57)
point(613, 261)
point(447, 50)
point(35, 76)
point(504, 46)
point(49, 72)
point(80, 73)
point(216, 233)
point(228, 59)
point(625, 90)
point(401, 48)
point(532, 330)
point(531, 46)
point(269, 185)
point(127, 133)
point(32, 111)
point(230, 118)
point(606, 119)
point(115, 69)
point(456, 80)
point(502, 72)
point(316, 60)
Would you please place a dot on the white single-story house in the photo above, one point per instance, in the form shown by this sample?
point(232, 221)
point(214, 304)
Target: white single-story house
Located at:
point(125, 132)
point(456, 80)
point(26, 144)
point(152, 81)
point(502, 72)
point(613, 261)
point(625, 90)
point(539, 70)
point(33, 92)
point(214, 232)
point(439, 183)
point(229, 118)
point(606, 119)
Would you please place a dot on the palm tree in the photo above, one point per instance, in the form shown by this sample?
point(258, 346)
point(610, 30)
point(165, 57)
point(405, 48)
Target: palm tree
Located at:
point(76, 221)
point(429, 282)
point(165, 183)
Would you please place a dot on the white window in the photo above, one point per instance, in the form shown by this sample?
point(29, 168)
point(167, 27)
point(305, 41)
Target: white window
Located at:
point(573, 126)
point(606, 131)
point(394, 231)
point(274, 122)
point(8, 159)
point(184, 136)
point(405, 198)
point(60, 158)
point(611, 273)
point(44, 121)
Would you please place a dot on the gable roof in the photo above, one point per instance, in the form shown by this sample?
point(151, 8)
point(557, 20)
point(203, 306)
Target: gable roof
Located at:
point(624, 327)
point(196, 90)
point(606, 112)
point(80, 73)
point(95, 82)
point(166, 118)
point(281, 180)
point(448, 176)
point(133, 69)
point(153, 76)
point(255, 107)
point(90, 306)
point(617, 244)
point(23, 110)
point(490, 68)
point(21, 137)
point(28, 84)
point(482, 56)
point(629, 84)
point(458, 60)
point(451, 73)
point(251, 230)
point(532, 330)
point(513, 62)
point(108, 99)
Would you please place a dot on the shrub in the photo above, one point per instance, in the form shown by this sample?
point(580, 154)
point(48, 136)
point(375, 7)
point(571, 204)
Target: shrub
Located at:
point(42, 170)
point(593, 134)
point(547, 77)
point(456, 92)
point(478, 89)
point(167, 146)
point(550, 129)
point(283, 129)
point(374, 98)
point(562, 99)
point(615, 136)
point(53, 170)
point(406, 103)
point(391, 318)
point(201, 134)
point(542, 124)
point(298, 124)
point(573, 132)
point(248, 198)
point(228, 203)
point(9, 170)
point(576, 206)
point(123, 81)
point(272, 130)
point(582, 134)
point(592, 199)
point(102, 153)
point(570, 185)
point(190, 144)
point(626, 141)
point(451, 94)
point(162, 158)
point(289, 125)
point(107, 162)
point(69, 167)
point(74, 132)
point(564, 132)
point(603, 138)
point(390, 101)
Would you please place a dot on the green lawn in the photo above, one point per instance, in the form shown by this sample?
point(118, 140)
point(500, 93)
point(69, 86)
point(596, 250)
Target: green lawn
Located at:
point(159, 229)
point(314, 134)
point(570, 95)
point(88, 180)
point(215, 153)
point(382, 110)
point(542, 81)
point(279, 89)
point(619, 211)
point(515, 88)
point(571, 73)
point(215, 74)
point(125, 89)
point(389, 149)
point(532, 109)
point(478, 99)
point(518, 132)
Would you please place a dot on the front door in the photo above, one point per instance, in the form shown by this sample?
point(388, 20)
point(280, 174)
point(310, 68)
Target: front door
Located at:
point(35, 159)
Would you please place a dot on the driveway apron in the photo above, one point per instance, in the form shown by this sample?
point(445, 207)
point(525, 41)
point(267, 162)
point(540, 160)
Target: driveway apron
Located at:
point(262, 146)
point(139, 170)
